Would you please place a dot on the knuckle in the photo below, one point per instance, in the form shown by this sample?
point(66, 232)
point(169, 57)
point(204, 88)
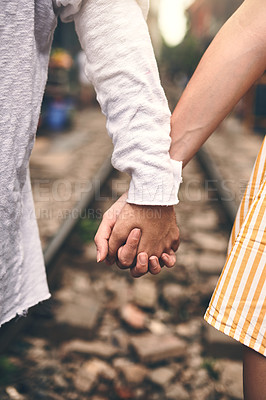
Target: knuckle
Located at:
point(175, 244)
point(171, 263)
point(111, 250)
point(155, 271)
point(124, 262)
point(141, 269)
point(105, 215)
point(133, 244)
point(114, 236)
point(134, 273)
point(121, 265)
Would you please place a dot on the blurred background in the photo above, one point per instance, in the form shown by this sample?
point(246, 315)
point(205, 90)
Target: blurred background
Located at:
point(104, 335)
point(180, 31)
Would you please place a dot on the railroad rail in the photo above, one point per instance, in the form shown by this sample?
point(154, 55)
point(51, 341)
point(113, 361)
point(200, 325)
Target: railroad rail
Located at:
point(10, 331)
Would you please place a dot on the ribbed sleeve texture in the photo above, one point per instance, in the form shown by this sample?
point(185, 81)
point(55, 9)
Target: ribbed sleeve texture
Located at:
point(121, 65)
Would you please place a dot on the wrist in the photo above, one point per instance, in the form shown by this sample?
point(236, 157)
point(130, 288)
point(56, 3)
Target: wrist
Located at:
point(159, 190)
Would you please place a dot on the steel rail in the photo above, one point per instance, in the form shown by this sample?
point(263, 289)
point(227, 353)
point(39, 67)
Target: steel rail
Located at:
point(214, 174)
point(12, 329)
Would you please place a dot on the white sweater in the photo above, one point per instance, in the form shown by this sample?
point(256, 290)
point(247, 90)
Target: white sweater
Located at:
point(120, 63)
point(122, 67)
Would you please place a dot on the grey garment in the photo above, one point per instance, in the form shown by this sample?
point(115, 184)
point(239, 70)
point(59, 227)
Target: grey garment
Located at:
point(26, 30)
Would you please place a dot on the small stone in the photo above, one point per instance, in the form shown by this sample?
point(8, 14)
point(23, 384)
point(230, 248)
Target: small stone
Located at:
point(81, 283)
point(13, 393)
point(231, 381)
point(177, 392)
point(187, 376)
point(176, 367)
point(124, 393)
point(100, 368)
point(83, 313)
point(96, 348)
point(84, 381)
point(120, 339)
point(87, 376)
point(145, 293)
point(201, 378)
point(206, 393)
point(157, 327)
point(108, 324)
point(133, 316)
point(37, 353)
point(151, 348)
point(174, 294)
point(211, 264)
point(162, 376)
point(195, 362)
point(189, 330)
point(155, 396)
point(120, 291)
point(194, 350)
point(133, 373)
point(120, 362)
point(139, 394)
point(59, 381)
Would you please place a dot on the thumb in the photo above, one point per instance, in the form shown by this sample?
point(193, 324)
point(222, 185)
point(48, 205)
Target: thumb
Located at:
point(127, 253)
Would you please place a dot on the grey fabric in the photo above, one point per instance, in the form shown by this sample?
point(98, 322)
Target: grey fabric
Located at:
point(26, 29)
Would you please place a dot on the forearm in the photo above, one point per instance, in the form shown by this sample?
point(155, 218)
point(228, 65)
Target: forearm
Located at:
point(123, 70)
point(233, 62)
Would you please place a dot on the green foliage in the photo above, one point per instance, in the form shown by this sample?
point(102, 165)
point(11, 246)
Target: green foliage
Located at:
point(8, 371)
point(209, 365)
point(184, 57)
point(87, 229)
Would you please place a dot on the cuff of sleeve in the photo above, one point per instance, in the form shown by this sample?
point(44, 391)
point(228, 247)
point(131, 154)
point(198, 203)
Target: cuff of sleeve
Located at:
point(156, 191)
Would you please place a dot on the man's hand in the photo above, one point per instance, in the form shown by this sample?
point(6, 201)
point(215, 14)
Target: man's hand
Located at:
point(128, 255)
point(159, 234)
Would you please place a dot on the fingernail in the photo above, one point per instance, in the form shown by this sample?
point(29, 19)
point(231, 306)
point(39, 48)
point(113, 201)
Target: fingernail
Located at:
point(165, 256)
point(136, 233)
point(143, 259)
point(153, 261)
point(98, 256)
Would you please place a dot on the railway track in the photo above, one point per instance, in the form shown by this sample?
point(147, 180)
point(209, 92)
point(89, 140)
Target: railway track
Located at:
point(111, 310)
point(9, 333)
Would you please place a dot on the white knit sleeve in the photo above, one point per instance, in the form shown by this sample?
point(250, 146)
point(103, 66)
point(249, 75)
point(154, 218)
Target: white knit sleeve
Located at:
point(68, 8)
point(122, 67)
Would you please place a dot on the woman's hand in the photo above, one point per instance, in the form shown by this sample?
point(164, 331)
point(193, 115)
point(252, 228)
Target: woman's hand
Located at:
point(138, 236)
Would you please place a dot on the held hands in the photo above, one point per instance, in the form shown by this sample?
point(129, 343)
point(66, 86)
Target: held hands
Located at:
point(141, 238)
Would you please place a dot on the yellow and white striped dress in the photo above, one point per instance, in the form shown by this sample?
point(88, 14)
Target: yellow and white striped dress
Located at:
point(238, 304)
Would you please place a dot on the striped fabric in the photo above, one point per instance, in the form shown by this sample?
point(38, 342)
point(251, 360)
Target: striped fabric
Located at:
point(238, 304)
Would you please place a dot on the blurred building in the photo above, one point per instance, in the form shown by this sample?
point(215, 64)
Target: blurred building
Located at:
point(207, 16)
